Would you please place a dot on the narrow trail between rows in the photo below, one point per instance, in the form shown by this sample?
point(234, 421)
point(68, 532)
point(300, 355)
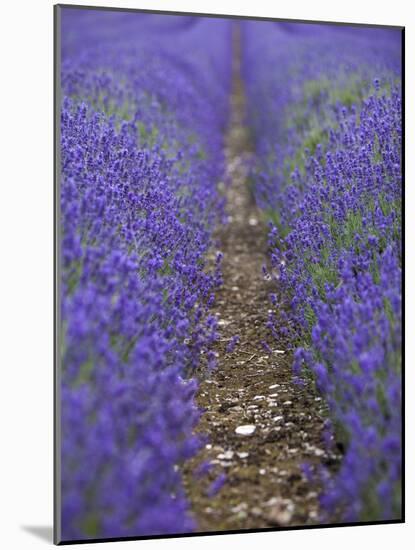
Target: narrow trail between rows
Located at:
point(264, 486)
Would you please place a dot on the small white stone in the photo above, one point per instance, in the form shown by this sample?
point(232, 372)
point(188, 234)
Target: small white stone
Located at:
point(318, 452)
point(281, 512)
point(227, 455)
point(246, 429)
point(253, 221)
point(239, 508)
point(258, 397)
point(278, 418)
point(243, 455)
point(274, 386)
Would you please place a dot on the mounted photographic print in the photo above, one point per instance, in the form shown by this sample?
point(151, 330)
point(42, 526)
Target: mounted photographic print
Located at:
point(228, 301)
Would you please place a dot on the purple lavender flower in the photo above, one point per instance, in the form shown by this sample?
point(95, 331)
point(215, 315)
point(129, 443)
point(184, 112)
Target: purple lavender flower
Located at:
point(216, 485)
point(232, 343)
point(328, 145)
point(141, 153)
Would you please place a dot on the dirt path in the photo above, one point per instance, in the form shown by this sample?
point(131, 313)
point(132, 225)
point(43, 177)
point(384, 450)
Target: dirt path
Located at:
point(264, 484)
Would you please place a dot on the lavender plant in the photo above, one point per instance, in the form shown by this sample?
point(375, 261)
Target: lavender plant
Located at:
point(327, 125)
point(142, 125)
point(141, 154)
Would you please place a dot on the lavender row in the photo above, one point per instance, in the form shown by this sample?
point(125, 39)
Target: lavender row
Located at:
point(325, 112)
point(141, 156)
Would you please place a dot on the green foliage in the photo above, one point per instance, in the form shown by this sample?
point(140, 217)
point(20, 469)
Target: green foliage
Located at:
point(84, 373)
point(147, 136)
point(91, 525)
point(110, 107)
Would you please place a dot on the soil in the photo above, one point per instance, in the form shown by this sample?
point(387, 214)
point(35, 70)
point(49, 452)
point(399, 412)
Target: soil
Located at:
point(264, 485)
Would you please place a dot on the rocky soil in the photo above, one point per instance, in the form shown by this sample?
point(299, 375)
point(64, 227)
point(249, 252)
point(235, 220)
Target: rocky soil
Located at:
point(261, 426)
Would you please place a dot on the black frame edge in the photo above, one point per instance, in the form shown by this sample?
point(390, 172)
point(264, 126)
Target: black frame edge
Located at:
point(229, 16)
point(56, 273)
point(403, 171)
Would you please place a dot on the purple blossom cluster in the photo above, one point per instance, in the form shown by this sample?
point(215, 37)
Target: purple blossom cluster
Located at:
point(327, 125)
point(144, 103)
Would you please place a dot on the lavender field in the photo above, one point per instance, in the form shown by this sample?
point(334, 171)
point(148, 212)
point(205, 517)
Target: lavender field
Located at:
point(231, 274)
